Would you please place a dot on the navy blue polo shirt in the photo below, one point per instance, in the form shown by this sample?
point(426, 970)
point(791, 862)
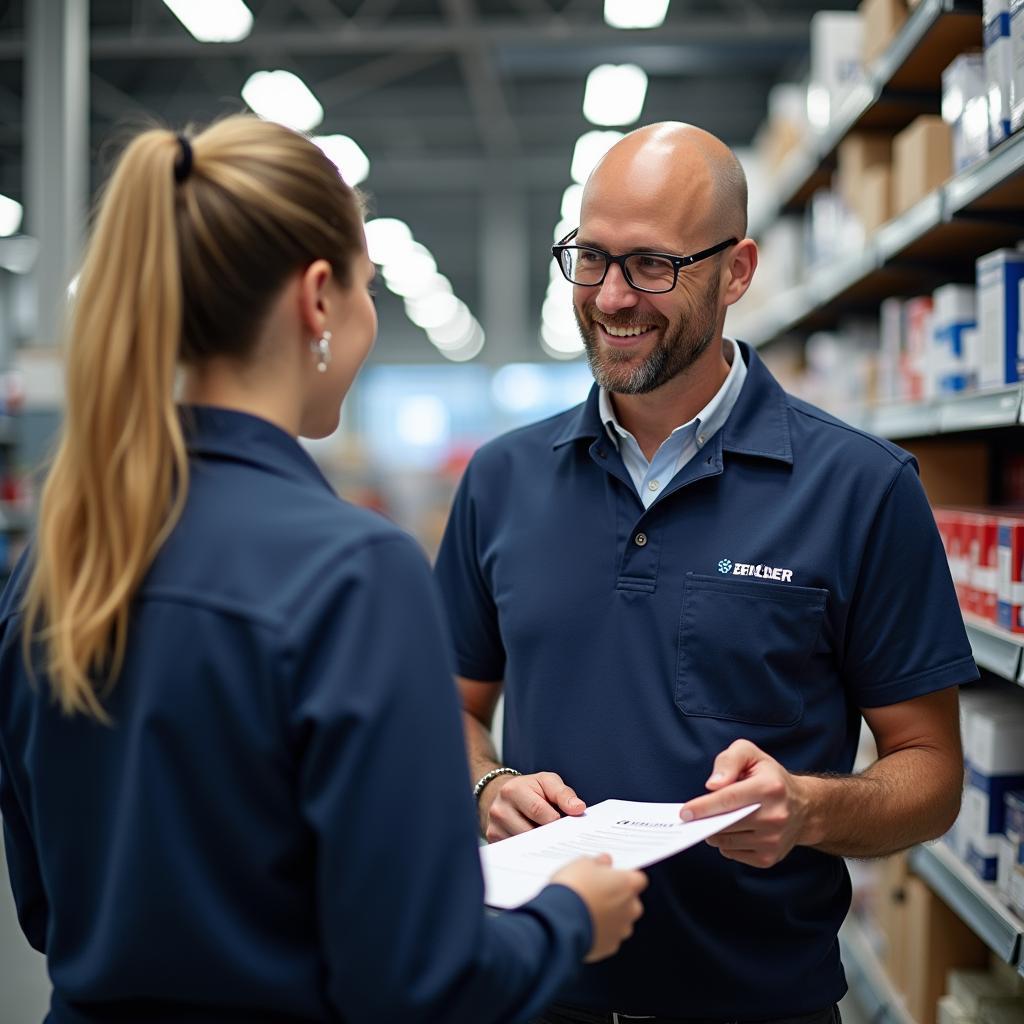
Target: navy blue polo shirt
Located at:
point(278, 826)
point(789, 575)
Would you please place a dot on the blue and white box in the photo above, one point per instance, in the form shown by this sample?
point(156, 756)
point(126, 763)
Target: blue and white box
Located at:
point(998, 68)
point(1017, 55)
point(954, 313)
point(998, 280)
point(994, 753)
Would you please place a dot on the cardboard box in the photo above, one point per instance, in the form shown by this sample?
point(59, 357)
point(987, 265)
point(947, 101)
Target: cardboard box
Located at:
point(873, 206)
point(999, 276)
point(882, 21)
point(938, 941)
point(922, 158)
point(854, 155)
point(890, 915)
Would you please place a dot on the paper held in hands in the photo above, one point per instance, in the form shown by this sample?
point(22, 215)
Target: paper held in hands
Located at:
point(635, 834)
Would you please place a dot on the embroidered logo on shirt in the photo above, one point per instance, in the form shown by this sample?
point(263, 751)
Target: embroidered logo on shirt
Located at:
point(764, 572)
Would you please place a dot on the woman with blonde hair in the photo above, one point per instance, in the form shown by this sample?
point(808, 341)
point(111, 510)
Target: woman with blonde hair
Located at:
point(232, 777)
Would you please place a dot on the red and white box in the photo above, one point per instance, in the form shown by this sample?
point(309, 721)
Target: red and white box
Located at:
point(983, 550)
point(1010, 583)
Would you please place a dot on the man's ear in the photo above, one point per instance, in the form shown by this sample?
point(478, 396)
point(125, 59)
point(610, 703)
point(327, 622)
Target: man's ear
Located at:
point(742, 262)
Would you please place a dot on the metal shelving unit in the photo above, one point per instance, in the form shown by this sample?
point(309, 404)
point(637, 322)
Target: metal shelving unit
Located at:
point(973, 901)
point(875, 992)
point(911, 67)
point(996, 650)
point(949, 221)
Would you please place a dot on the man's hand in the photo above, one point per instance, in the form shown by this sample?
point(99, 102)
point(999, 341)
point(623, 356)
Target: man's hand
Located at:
point(744, 774)
point(516, 803)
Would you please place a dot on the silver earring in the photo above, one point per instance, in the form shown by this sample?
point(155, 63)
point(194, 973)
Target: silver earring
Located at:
point(322, 350)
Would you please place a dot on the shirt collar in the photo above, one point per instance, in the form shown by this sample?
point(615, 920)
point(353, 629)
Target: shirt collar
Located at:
point(213, 432)
point(709, 420)
point(757, 425)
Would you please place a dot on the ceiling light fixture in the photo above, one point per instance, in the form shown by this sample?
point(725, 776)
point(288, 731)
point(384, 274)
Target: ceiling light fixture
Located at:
point(10, 216)
point(615, 94)
point(635, 13)
point(347, 155)
point(213, 21)
point(589, 149)
point(283, 97)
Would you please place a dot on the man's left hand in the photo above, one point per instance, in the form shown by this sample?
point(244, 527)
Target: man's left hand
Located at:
point(744, 774)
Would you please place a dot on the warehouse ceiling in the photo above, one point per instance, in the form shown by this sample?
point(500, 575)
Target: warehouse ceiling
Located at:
point(467, 109)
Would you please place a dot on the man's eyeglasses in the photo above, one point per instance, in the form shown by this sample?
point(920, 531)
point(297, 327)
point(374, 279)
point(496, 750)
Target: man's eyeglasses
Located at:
point(645, 271)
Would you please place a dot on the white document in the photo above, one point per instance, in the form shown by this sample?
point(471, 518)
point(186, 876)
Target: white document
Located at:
point(634, 834)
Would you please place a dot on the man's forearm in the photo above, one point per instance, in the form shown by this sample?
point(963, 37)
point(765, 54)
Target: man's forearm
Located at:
point(907, 797)
point(479, 746)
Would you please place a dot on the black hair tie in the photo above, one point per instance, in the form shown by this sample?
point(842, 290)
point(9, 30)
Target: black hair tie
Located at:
point(183, 165)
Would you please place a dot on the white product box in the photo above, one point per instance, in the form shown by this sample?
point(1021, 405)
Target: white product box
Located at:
point(954, 311)
point(976, 989)
point(836, 64)
point(998, 276)
point(994, 755)
point(1006, 859)
point(965, 107)
point(998, 68)
point(890, 348)
point(1017, 57)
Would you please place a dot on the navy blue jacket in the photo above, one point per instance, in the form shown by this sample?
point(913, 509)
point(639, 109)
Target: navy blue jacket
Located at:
point(278, 826)
point(789, 575)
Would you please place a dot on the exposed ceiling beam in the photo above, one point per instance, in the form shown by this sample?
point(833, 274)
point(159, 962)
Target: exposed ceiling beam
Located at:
point(373, 74)
point(354, 37)
point(494, 123)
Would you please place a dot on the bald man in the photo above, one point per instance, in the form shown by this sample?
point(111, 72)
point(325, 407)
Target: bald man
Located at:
point(693, 588)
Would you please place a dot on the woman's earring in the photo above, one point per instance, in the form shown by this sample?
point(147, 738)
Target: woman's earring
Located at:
point(322, 350)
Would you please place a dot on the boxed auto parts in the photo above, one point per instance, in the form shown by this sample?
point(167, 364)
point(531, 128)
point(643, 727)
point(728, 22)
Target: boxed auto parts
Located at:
point(882, 20)
point(954, 313)
point(998, 277)
point(998, 68)
point(993, 738)
point(922, 160)
point(836, 64)
point(965, 108)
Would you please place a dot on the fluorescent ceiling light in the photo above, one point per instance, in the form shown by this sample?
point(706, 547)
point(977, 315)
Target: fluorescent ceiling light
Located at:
point(213, 21)
point(345, 153)
point(589, 149)
point(572, 201)
point(283, 97)
point(409, 267)
point(386, 237)
point(433, 311)
point(635, 13)
point(10, 216)
point(413, 289)
point(469, 349)
point(454, 333)
point(615, 94)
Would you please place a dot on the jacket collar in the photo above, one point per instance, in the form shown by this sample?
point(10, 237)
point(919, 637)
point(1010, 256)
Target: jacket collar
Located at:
point(213, 432)
point(757, 425)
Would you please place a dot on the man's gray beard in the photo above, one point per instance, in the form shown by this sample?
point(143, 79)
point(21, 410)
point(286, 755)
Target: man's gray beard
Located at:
point(674, 354)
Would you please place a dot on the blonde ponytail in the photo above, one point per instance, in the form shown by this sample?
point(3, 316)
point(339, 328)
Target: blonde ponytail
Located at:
point(120, 474)
point(173, 271)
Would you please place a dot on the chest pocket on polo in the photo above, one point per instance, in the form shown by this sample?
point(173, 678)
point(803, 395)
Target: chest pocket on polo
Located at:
point(743, 648)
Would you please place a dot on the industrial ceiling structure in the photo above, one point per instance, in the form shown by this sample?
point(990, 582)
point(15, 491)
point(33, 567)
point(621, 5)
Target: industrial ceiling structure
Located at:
point(468, 111)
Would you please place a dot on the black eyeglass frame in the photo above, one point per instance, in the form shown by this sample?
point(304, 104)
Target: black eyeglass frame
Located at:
point(678, 262)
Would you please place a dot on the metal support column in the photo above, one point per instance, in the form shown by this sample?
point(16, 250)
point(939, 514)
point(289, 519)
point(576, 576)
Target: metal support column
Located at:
point(57, 149)
point(504, 267)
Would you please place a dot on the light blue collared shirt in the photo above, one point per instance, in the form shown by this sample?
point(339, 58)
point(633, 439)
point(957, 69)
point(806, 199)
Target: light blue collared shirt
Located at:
point(651, 478)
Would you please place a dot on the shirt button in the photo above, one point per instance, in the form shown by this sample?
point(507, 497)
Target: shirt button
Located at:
point(701, 439)
point(640, 539)
point(653, 485)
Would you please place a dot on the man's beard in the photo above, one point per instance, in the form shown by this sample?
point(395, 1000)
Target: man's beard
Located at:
point(676, 351)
